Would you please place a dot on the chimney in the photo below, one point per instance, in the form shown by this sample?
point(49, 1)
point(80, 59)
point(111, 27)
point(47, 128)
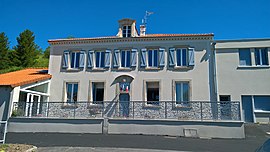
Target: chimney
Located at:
point(142, 30)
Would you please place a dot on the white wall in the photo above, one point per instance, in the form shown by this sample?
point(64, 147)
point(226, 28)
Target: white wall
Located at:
point(199, 76)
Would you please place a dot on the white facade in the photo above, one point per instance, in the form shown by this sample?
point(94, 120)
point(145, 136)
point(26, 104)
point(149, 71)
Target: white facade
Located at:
point(243, 72)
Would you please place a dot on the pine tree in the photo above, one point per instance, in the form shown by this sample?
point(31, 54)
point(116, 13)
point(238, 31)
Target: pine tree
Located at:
point(4, 47)
point(26, 51)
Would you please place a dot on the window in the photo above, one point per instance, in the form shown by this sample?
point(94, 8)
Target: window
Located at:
point(71, 92)
point(100, 59)
point(152, 93)
point(181, 92)
point(125, 58)
point(181, 57)
point(261, 56)
point(244, 57)
point(73, 59)
point(126, 31)
point(152, 58)
point(262, 103)
point(98, 92)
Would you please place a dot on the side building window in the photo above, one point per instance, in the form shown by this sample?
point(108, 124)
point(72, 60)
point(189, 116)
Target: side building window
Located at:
point(182, 92)
point(100, 59)
point(73, 59)
point(71, 92)
point(261, 56)
point(244, 57)
point(97, 92)
point(152, 93)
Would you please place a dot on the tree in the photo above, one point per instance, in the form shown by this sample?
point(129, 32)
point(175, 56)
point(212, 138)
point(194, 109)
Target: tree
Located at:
point(26, 51)
point(4, 47)
point(46, 53)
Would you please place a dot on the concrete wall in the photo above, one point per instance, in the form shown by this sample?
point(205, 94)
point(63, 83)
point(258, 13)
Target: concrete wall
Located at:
point(199, 75)
point(203, 129)
point(55, 125)
point(5, 92)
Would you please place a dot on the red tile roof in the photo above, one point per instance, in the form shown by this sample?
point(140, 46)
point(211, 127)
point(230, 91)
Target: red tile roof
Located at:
point(147, 35)
point(23, 77)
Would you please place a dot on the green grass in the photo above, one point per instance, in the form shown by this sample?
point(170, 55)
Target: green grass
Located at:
point(3, 147)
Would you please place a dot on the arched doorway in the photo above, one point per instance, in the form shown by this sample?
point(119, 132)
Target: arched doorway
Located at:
point(124, 94)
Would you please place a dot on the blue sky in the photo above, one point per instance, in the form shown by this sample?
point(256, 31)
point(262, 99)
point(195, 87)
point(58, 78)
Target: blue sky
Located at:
point(52, 19)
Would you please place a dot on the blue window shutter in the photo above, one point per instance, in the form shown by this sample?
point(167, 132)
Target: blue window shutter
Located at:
point(172, 57)
point(116, 56)
point(161, 57)
point(65, 59)
point(191, 57)
point(133, 57)
point(107, 58)
point(143, 57)
point(82, 58)
point(90, 59)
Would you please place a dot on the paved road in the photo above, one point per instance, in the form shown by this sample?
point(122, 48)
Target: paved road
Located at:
point(255, 136)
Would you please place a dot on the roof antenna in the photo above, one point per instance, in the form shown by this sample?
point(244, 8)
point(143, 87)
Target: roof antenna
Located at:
point(147, 14)
point(144, 23)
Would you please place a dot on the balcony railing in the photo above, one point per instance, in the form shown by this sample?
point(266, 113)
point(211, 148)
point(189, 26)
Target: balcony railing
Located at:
point(192, 110)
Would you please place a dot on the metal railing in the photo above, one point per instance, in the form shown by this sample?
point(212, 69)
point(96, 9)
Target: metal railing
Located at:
point(3, 131)
point(192, 110)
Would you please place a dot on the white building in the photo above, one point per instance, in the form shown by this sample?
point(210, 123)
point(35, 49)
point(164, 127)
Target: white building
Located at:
point(243, 72)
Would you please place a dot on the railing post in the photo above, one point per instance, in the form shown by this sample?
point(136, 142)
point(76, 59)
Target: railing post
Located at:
point(166, 110)
point(48, 108)
point(74, 111)
point(133, 109)
point(201, 111)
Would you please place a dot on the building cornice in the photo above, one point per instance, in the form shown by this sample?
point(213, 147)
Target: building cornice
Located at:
point(114, 39)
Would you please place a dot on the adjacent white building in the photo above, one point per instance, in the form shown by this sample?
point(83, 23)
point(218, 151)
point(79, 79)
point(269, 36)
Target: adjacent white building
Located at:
point(242, 73)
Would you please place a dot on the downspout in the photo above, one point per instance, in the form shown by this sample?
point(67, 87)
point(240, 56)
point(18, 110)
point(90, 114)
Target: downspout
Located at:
point(215, 71)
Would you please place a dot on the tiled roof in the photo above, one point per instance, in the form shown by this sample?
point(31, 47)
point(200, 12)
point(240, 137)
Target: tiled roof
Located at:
point(147, 35)
point(23, 77)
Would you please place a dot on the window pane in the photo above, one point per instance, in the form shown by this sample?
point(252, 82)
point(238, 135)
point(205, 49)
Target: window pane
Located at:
point(244, 57)
point(178, 56)
point(185, 92)
point(75, 92)
point(69, 92)
point(123, 55)
point(72, 60)
point(97, 59)
point(128, 59)
point(152, 92)
point(155, 58)
point(77, 59)
point(150, 58)
point(98, 92)
point(184, 57)
point(264, 56)
point(262, 103)
point(178, 92)
point(102, 59)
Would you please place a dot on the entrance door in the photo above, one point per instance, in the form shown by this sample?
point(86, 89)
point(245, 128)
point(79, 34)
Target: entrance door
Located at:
point(124, 104)
point(247, 108)
point(32, 105)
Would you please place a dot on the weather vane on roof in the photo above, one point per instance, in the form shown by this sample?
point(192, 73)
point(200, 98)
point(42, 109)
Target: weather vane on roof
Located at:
point(147, 14)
